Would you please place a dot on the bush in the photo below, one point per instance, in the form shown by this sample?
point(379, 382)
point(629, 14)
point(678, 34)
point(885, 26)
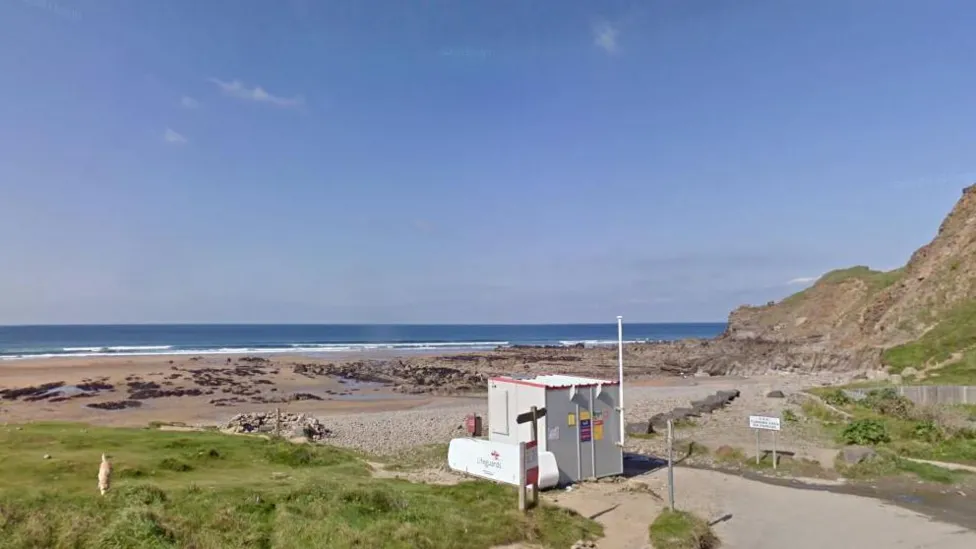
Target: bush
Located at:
point(927, 431)
point(681, 530)
point(837, 397)
point(865, 432)
point(888, 402)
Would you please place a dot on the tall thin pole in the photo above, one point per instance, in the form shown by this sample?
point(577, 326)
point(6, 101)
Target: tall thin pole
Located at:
point(620, 368)
point(671, 464)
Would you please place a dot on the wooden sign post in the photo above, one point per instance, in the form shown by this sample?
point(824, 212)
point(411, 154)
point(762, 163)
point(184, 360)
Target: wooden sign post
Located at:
point(530, 466)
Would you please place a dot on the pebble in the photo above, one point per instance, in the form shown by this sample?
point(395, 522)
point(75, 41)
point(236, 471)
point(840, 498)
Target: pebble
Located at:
point(385, 433)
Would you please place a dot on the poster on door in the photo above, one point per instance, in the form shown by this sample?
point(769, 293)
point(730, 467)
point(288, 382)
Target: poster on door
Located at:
point(597, 429)
point(585, 430)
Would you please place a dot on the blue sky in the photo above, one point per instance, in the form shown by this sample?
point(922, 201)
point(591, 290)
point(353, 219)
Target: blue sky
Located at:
point(477, 161)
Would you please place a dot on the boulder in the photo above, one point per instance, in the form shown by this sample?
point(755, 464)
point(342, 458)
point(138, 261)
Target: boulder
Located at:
point(775, 394)
point(639, 428)
point(681, 413)
point(657, 420)
point(728, 395)
point(852, 455)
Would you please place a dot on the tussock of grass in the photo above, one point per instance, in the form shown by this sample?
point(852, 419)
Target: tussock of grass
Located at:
point(209, 490)
point(681, 530)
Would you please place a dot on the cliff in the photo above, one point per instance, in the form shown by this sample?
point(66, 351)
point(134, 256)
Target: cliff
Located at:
point(919, 315)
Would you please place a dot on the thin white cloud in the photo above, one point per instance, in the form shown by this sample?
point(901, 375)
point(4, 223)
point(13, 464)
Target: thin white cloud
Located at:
point(189, 102)
point(802, 280)
point(173, 137)
point(605, 36)
point(257, 94)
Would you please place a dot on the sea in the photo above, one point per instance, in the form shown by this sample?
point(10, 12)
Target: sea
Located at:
point(22, 342)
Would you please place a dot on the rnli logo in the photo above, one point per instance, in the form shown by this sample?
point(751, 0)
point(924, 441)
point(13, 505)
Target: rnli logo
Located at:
point(493, 463)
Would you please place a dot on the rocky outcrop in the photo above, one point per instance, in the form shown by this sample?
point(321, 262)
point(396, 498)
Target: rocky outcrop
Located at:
point(849, 316)
point(288, 425)
point(406, 375)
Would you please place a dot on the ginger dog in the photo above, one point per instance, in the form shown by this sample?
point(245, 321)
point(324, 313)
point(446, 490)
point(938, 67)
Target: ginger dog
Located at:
point(104, 475)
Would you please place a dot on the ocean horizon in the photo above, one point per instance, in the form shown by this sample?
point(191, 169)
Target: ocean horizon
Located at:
point(91, 340)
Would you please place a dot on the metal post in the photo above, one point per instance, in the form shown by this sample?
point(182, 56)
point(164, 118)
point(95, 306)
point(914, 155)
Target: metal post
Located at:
point(535, 438)
point(671, 464)
point(592, 432)
point(757, 447)
point(620, 372)
point(521, 477)
point(774, 449)
point(579, 448)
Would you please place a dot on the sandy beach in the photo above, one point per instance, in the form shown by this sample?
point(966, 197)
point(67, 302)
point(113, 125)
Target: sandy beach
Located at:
point(411, 400)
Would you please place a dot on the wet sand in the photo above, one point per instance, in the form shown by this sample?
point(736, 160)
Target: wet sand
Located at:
point(192, 390)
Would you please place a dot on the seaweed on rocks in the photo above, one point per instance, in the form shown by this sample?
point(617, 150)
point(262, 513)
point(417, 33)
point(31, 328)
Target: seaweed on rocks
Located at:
point(32, 393)
point(115, 405)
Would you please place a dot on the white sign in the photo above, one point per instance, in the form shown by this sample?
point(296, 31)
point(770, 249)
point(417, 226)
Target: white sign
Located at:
point(496, 461)
point(763, 422)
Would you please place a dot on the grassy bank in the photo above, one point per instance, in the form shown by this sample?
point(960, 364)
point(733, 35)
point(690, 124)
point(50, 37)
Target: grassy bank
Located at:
point(681, 530)
point(208, 490)
point(955, 332)
point(898, 428)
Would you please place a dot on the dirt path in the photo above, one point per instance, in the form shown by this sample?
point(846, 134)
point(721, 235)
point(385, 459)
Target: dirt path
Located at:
point(944, 464)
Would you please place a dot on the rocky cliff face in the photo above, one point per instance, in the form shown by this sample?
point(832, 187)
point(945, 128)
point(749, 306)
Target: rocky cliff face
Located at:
point(850, 316)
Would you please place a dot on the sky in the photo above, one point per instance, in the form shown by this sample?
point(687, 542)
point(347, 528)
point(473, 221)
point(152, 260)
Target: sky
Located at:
point(477, 161)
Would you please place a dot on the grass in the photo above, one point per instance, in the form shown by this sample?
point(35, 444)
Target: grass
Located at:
point(431, 455)
point(209, 490)
point(960, 372)
point(681, 530)
point(888, 464)
point(787, 465)
point(955, 332)
point(906, 430)
point(875, 280)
